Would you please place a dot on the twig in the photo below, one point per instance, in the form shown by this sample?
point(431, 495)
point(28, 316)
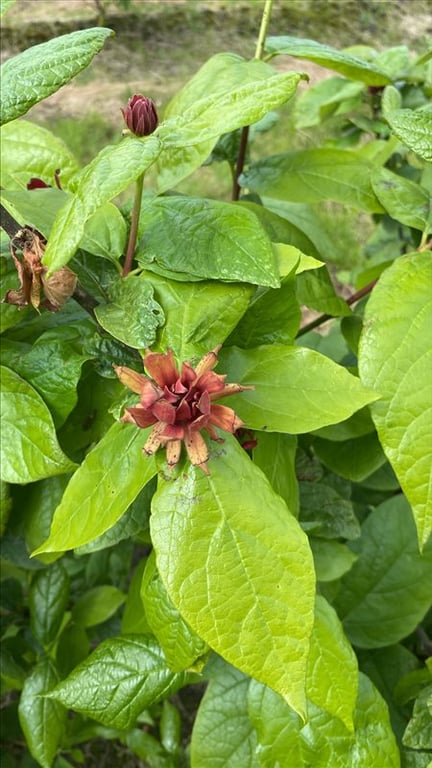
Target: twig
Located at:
point(324, 318)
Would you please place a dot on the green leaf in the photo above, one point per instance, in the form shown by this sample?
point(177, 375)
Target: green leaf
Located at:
point(387, 591)
point(296, 389)
point(42, 721)
point(418, 734)
point(133, 315)
point(324, 741)
point(353, 459)
point(331, 558)
point(273, 316)
point(111, 171)
point(218, 75)
point(352, 67)
point(97, 605)
point(180, 644)
point(395, 358)
point(325, 513)
point(332, 680)
point(42, 69)
point(358, 425)
point(134, 522)
point(206, 239)
point(122, 677)
point(280, 230)
point(314, 175)
point(226, 545)
point(28, 150)
point(225, 111)
point(52, 366)
point(48, 599)
point(403, 200)
point(334, 95)
point(275, 455)
point(110, 478)
point(198, 316)
point(134, 620)
point(222, 732)
point(316, 290)
point(414, 129)
point(29, 450)
point(105, 233)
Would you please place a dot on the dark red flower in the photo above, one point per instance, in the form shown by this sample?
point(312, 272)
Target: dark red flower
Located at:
point(140, 115)
point(180, 404)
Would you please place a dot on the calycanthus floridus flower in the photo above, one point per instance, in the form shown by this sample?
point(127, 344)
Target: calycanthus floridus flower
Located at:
point(180, 404)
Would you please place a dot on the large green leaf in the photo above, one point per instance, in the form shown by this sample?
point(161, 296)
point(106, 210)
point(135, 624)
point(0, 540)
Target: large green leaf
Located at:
point(218, 75)
point(109, 479)
point(122, 677)
point(352, 67)
point(206, 239)
point(29, 150)
point(325, 98)
point(418, 733)
point(227, 547)
point(387, 591)
point(324, 741)
point(223, 733)
point(224, 111)
point(353, 459)
point(48, 599)
point(29, 449)
point(325, 513)
point(273, 316)
point(332, 680)
point(403, 200)
point(395, 358)
point(198, 316)
point(314, 175)
point(111, 171)
point(296, 389)
point(180, 644)
point(316, 290)
point(42, 721)
point(52, 366)
point(42, 69)
point(133, 315)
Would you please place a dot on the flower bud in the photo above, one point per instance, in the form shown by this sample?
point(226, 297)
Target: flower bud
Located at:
point(140, 115)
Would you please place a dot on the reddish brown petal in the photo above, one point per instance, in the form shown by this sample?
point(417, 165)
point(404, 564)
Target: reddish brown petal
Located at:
point(130, 378)
point(213, 434)
point(164, 411)
point(210, 381)
point(204, 403)
point(140, 416)
point(173, 452)
point(156, 439)
point(208, 362)
point(228, 389)
point(187, 376)
point(199, 422)
point(174, 432)
point(162, 368)
point(224, 418)
point(171, 397)
point(183, 412)
point(197, 450)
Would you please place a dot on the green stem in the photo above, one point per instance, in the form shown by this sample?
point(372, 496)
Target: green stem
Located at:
point(134, 226)
point(259, 51)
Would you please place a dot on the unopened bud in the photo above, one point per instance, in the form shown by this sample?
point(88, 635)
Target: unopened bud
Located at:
point(140, 115)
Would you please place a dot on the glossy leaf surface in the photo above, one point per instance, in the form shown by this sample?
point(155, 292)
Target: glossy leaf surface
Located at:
point(110, 478)
point(42, 721)
point(133, 315)
point(48, 599)
point(395, 358)
point(122, 677)
point(30, 450)
point(42, 69)
point(226, 546)
point(296, 389)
